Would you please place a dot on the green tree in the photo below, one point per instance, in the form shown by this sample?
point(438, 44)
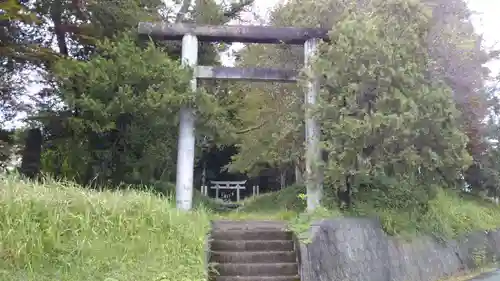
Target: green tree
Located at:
point(484, 175)
point(269, 118)
point(384, 121)
point(360, 64)
point(79, 28)
point(129, 105)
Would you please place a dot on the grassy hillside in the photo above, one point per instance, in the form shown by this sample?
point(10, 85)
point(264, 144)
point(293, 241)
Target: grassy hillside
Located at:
point(60, 232)
point(448, 215)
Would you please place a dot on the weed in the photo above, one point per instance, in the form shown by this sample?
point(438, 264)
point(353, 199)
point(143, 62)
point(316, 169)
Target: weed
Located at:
point(58, 231)
point(479, 257)
point(449, 214)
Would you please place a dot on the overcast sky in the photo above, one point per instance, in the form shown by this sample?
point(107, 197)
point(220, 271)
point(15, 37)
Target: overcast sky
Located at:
point(487, 22)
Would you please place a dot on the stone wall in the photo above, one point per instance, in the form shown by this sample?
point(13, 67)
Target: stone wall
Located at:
point(356, 249)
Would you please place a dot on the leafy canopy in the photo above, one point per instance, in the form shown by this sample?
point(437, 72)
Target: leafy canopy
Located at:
point(131, 96)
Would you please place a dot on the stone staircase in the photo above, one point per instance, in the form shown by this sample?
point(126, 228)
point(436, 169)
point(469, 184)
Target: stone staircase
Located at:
point(252, 251)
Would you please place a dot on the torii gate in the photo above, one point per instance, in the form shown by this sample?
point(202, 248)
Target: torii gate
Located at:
point(190, 34)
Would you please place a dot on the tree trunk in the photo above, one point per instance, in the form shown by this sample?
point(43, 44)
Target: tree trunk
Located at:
point(282, 178)
point(56, 14)
point(119, 149)
point(90, 177)
point(299, 178)
point(32, 154)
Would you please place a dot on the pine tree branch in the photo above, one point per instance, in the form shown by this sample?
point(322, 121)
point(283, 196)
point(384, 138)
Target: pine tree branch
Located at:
point(236, 8)
point(247, 130)
point(181, 15)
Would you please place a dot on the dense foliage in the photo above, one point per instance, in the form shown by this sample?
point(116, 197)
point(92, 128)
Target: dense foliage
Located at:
point(107, 110)
point(387, 125)
point(125, 103)
point(404, 107)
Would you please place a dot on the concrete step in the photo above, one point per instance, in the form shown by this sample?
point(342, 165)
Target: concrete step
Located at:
point(254, 257)
point(257, 278)
point(251, 245)
point(252, 235)
point(224, 225)
point(257, 269)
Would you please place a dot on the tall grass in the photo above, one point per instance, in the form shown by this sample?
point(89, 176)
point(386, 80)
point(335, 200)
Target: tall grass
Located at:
point(60, 232)
point(57, 231)
point(448, 215)
point(452, 214)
